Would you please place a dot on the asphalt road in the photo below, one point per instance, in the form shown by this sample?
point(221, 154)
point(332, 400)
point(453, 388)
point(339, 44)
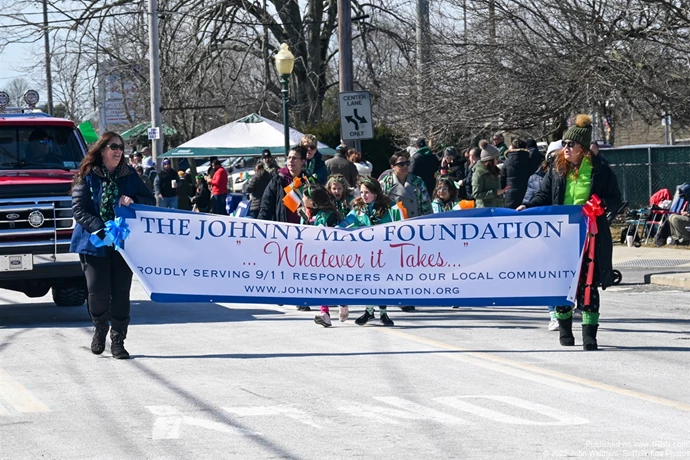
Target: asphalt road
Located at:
point(262, 381)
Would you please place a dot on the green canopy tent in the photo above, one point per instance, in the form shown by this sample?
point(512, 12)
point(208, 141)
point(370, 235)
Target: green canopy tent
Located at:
point(141, 130)
point(247, 136)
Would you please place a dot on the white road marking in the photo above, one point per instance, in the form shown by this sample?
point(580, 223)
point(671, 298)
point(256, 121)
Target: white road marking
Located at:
point(169, 420)
point(618, 289)
point(457, 402)
point(287, 411)
point(422, 411)
point(17, 396)
point(380, 414)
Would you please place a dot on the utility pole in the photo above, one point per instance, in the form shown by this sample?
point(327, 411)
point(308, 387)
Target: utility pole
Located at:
point(422, 55)
point(155, 81)
point(345, 50)
point(46, 40)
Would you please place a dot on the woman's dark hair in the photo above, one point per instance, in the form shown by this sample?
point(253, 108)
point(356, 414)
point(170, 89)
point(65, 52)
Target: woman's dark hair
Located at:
point(258, 167)
point(323, 201)
point(492, 167)
point(94, 157)
point(397, 156)
point(354, 156)
point(301, 150)
point(452, 189)
point(518, 143)
point(382, 203)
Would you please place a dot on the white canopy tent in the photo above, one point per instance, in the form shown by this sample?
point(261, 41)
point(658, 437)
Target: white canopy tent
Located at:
point(247, 136)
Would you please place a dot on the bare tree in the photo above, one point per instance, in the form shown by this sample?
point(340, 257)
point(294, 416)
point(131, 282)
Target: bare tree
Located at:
point(16, 89)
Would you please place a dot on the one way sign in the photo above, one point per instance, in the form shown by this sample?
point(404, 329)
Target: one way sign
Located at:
point(355, 116)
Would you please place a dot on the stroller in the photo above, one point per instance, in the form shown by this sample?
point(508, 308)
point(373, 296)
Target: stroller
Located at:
point(610, 217)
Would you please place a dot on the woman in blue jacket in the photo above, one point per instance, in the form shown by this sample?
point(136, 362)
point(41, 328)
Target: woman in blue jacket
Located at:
point(105, 181)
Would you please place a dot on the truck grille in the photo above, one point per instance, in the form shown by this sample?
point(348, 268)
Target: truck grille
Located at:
point(35, 216)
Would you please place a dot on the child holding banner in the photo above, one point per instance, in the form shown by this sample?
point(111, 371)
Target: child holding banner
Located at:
point(445, 195)
point(339, 189)
point(372, 207)
point(319, 209)
point(577, 177)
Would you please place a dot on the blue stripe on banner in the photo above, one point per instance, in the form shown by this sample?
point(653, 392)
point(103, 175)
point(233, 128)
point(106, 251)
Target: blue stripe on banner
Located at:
point(473, 302)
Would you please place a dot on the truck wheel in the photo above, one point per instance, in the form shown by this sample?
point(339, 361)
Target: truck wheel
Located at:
point(69, 296)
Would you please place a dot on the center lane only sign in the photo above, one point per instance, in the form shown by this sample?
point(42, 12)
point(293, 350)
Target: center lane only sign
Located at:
point(355, 116)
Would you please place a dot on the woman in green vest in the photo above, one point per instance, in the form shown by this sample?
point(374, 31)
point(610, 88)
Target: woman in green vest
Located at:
point(575, 175)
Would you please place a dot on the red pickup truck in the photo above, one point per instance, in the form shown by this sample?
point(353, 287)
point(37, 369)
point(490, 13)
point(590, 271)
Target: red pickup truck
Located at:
point(39, 156)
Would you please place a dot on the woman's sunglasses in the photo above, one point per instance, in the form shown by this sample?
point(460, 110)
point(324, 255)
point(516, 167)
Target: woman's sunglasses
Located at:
point(402, 164)
point(114, 146)
point(569, 144)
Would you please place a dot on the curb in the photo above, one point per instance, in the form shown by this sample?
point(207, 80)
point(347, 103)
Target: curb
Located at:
point(680, 280)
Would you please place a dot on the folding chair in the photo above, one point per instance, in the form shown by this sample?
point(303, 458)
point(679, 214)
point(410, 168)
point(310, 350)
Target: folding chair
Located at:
point(651, 224)
point(636, 223)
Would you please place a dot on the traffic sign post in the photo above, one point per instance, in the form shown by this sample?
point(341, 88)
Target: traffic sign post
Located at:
point(154, 133)
point(355, 116)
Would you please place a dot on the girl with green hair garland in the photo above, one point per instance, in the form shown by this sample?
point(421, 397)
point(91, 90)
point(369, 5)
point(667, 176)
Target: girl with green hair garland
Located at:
point(339, 189)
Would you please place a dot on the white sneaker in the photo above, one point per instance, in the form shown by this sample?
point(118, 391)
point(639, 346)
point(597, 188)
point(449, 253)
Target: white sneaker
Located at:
point(344, 313)
point(553, 325)
point(323, 319)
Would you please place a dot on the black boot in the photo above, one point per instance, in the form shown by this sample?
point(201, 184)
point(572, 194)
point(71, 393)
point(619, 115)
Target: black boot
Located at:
point(589, 336)
point(118, 334)
point(101, 325)
point(565, 328)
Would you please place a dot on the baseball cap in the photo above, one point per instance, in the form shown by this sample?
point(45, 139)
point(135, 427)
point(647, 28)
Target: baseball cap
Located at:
point(266, 153)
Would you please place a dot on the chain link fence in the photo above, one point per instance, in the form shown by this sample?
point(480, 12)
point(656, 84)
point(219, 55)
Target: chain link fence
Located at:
point(642, 171)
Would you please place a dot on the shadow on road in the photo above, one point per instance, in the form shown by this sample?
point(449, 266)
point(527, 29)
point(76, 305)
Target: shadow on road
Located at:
point(143, 312)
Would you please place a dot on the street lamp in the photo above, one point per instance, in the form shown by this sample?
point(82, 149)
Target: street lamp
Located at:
point(285, 62)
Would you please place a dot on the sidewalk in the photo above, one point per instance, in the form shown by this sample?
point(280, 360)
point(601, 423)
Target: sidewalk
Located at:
point(674, 259)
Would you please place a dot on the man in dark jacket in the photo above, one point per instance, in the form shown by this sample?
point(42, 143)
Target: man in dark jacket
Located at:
point(270, 165)
point(535, 156)
point(256, 187)
point(453, 167)
point(515, 173)
point(165, 186)
point(424, 164)
point(475, 153)
point(499, 143)
point(272, 206)
point(339, 164)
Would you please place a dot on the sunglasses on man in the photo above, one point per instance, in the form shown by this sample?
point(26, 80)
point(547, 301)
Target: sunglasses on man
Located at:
point(402, 164)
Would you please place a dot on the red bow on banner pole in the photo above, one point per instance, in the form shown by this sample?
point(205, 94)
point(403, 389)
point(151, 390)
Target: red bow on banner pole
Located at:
point(592, 209)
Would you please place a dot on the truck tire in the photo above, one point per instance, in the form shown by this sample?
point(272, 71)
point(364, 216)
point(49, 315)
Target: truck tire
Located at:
point(69, 296)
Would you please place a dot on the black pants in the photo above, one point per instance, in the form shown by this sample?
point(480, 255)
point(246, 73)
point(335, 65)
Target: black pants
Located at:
point(109, 281)
point(218, 204)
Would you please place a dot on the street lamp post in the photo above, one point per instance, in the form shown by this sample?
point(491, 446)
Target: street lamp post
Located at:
point(285, 62)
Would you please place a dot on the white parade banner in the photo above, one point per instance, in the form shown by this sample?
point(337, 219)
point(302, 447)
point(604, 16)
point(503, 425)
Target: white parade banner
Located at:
point(474, 257)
